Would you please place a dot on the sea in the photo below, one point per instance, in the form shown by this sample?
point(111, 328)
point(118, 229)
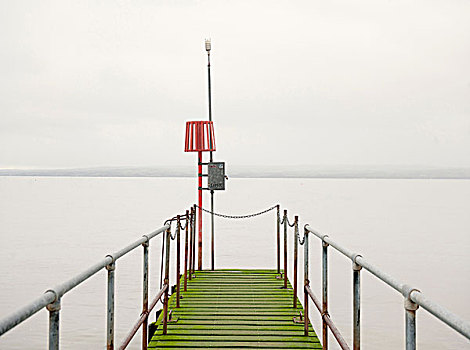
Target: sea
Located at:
point(52, 228)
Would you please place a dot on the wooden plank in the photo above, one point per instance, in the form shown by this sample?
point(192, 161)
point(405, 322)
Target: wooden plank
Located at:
point(232, 309)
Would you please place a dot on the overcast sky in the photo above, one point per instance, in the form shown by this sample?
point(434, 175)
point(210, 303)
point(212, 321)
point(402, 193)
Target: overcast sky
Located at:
point(111, 83)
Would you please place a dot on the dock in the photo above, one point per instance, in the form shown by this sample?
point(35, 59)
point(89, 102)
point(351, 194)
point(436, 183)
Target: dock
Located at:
point(235, 309)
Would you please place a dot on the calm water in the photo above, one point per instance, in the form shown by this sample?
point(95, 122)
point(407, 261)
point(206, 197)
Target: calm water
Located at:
point(52, 228)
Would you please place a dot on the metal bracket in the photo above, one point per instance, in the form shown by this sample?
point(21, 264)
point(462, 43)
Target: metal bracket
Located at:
point(55, 306)
point(410, 305)
point(355, 265)
point(299, 319)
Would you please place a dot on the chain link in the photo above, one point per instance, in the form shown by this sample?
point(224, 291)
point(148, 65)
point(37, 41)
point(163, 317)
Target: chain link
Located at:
point(238, 216)
point(288, 222)
point(284, 219)
point(301, 242)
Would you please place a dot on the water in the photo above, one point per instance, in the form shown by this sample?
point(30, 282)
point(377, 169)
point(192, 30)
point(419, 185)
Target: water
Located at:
point(53, 228)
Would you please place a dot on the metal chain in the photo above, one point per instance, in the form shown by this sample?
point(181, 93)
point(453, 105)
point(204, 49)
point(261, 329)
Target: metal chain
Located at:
point(288, 222)
point(284, 219)
point(174, 236)
point(301, 242)
point(238, 216)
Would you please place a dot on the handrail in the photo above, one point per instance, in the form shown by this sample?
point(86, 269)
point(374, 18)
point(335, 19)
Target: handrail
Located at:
point(51, 299)
point(327, 319)
point(143, 318)
point(413, 298)
point(52, 295)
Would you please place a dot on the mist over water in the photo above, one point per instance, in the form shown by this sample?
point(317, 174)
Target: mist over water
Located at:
point(52, 228)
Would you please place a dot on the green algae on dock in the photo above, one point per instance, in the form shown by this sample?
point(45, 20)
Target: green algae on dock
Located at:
point(234, 309)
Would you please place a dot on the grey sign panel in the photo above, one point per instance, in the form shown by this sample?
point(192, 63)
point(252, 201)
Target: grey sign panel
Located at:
point(216, 176)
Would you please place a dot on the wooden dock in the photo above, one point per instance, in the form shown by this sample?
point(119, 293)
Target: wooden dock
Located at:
point(234, 309)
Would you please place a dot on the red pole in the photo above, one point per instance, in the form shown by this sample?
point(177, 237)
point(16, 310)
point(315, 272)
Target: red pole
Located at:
point(199, 242)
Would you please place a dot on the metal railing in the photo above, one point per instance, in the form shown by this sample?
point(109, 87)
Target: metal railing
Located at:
point(51, 299)
point(413, 298)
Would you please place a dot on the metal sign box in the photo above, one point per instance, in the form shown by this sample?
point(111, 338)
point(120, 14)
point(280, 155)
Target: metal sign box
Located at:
point(216, 176)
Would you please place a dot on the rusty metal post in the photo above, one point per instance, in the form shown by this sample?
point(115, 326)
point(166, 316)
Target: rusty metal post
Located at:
point(186, 252)
point(199, 237)
point(167, 280)
point(325, 293)
point(178, 243)
point(356, 305)
point(306, 282)
point(278, 226)
point(285, 248)
point(194, 238)
point(54, 312)
point(296, 227)
point(410, 323)
point(110, 306)
point(212, 229)
point(145, 296)
point(191, 228)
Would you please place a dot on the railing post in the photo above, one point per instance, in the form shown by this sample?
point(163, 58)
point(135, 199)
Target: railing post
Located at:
point(167, 281)
point(110, 317)
point(296, 227)
point(278, 226)
point(54, 312)
point(194, 239)
point(212, 232)
point(306, 282)
point(178, 243)
point(285, 248)
point(145, 296)
point(186, 252)
point(191, 228)
point(410, 322)
point(356, 304)
point(325, 293)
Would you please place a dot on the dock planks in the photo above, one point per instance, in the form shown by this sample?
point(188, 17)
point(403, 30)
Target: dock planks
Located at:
point(234, 309)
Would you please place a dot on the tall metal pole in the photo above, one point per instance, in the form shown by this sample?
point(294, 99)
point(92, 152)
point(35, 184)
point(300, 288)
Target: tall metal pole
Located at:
point(208, 49)
point(199, 241)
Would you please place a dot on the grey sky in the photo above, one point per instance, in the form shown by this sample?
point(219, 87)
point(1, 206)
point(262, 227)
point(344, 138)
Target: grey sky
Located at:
point(91, 83)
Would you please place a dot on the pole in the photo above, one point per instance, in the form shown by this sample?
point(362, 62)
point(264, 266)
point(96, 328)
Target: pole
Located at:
point(208, 49)
point(278, 240)
point(178, 275)
point(166, 281)
point(356, 306)
point(325, 293)
point(110, 314)
point(145, 295)
point(296, 227)
point(212, 227)
point(54, 311)
point(306, 282)
point(199, 241)
point(285, 248)
point(186, 251)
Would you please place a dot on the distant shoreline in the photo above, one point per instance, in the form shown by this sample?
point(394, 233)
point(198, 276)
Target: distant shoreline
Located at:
point(275, 172)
